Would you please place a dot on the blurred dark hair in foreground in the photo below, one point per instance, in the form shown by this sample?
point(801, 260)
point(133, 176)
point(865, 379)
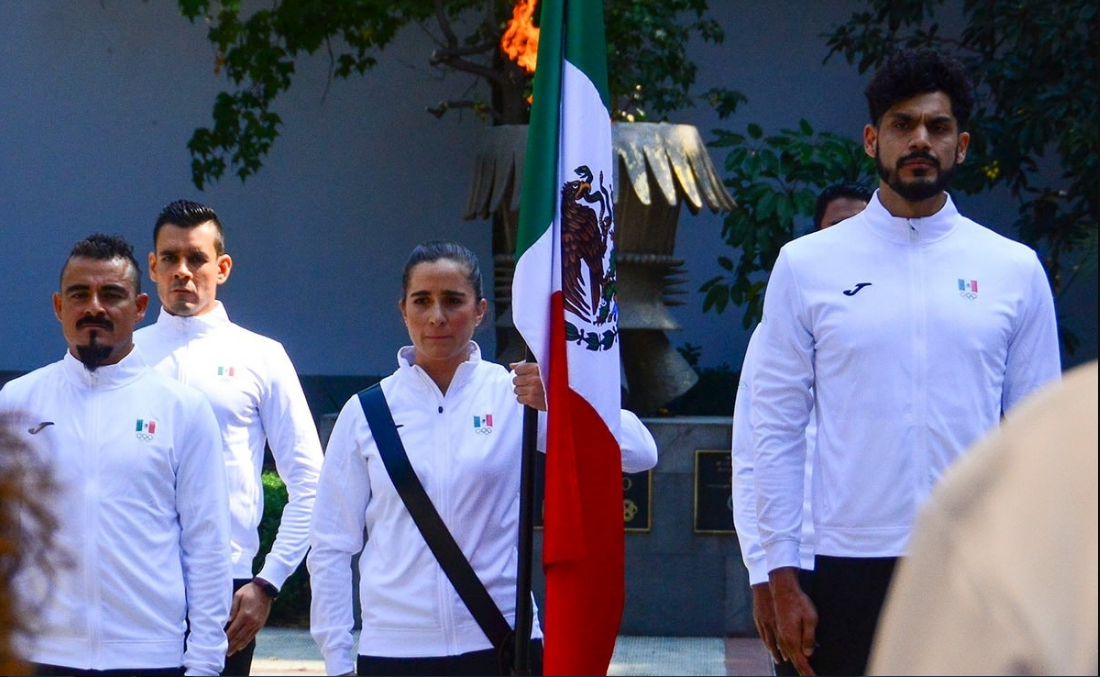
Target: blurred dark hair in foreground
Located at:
point(27, 530)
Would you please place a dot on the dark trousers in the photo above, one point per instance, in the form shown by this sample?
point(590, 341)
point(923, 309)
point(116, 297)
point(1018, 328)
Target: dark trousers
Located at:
point(849, 593)
point(240, 663)
point(485, 662)
point(45, 669)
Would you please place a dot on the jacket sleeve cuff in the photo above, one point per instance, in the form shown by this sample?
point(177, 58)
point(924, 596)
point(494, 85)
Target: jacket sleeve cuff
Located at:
point(758, 570)
point(783, 553)
point(274, 573)
point(339, 665)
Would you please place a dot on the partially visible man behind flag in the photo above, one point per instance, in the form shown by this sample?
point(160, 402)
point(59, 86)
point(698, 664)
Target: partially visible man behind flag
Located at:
point(563, 300)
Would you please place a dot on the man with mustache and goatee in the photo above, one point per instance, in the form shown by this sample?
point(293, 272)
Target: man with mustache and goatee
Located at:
point(141, 581)
point(912, 329)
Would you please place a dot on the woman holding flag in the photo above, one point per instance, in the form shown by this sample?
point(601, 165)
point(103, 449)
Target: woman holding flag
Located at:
point(456, 425)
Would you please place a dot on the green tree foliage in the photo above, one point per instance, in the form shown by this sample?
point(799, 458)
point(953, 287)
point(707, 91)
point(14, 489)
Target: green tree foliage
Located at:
point(292, 605)
point(1034, 66)
point(776, 180)
point(257, 49)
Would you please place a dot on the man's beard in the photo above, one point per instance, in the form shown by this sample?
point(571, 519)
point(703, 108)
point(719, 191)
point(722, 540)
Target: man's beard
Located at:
point(93, 355)
point(919, 190)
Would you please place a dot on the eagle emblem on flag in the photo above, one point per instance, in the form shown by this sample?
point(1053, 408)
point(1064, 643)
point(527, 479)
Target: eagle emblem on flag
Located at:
point(588, 246)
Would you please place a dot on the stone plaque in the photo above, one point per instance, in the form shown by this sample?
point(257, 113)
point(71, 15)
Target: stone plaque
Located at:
point(637, 492)
point(713, 491)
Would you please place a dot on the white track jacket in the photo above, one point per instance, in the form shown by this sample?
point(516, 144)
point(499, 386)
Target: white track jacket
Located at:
point(915, 335)
point(744, 491)
point(257, 399)
point(141, 507)
point(465, 448)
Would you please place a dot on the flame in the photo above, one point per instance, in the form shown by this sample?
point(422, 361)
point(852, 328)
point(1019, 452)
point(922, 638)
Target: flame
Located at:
point(520, 42)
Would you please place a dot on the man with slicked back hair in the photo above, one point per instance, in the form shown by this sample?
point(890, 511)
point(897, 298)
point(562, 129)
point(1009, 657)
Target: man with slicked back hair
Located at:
point(257, 397)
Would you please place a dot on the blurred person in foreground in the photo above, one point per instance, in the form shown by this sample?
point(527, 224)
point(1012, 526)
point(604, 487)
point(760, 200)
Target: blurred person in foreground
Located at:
point(834, 204)
point(141, 499)
point(1001, 576)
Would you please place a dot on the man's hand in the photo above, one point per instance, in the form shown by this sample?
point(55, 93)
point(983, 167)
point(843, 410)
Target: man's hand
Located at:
point(528, 385)
point(763, 614)
point(251, 606)
point(795, 619)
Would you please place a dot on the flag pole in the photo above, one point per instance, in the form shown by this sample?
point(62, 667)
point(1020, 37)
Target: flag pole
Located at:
point(524, 609)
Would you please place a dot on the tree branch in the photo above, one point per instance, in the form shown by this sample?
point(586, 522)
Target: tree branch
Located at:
point(445, 25)
point(466, 66)
point(444, 54)
point(479, 107)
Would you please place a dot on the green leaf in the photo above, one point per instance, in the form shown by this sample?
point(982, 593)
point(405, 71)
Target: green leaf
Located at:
point(716, 298)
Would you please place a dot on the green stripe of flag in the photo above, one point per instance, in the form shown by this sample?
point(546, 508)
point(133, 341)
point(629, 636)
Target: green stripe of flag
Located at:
point(537, 199)
point(585, 45)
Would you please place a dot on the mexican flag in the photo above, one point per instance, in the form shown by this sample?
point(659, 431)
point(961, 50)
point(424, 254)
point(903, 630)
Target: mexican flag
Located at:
point(563, 304)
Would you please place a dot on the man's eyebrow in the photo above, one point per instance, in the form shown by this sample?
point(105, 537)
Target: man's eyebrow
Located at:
point(86, 287)
point(909, 117)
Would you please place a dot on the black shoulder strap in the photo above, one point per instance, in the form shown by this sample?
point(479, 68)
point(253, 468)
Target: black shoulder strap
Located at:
point(435, 532)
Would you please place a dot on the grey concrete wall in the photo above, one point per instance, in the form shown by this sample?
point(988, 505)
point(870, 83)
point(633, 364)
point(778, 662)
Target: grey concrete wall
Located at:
point(680, 582)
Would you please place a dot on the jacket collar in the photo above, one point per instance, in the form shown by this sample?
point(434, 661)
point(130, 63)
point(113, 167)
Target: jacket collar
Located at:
point(196, 325)
point(419, 378)
point(108, 376)
point(916, 231)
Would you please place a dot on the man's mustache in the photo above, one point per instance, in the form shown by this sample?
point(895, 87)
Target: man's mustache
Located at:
point(917, 155)
point(102, 322)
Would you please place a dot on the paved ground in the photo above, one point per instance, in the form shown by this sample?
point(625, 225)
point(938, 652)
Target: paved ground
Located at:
point(284, 651)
